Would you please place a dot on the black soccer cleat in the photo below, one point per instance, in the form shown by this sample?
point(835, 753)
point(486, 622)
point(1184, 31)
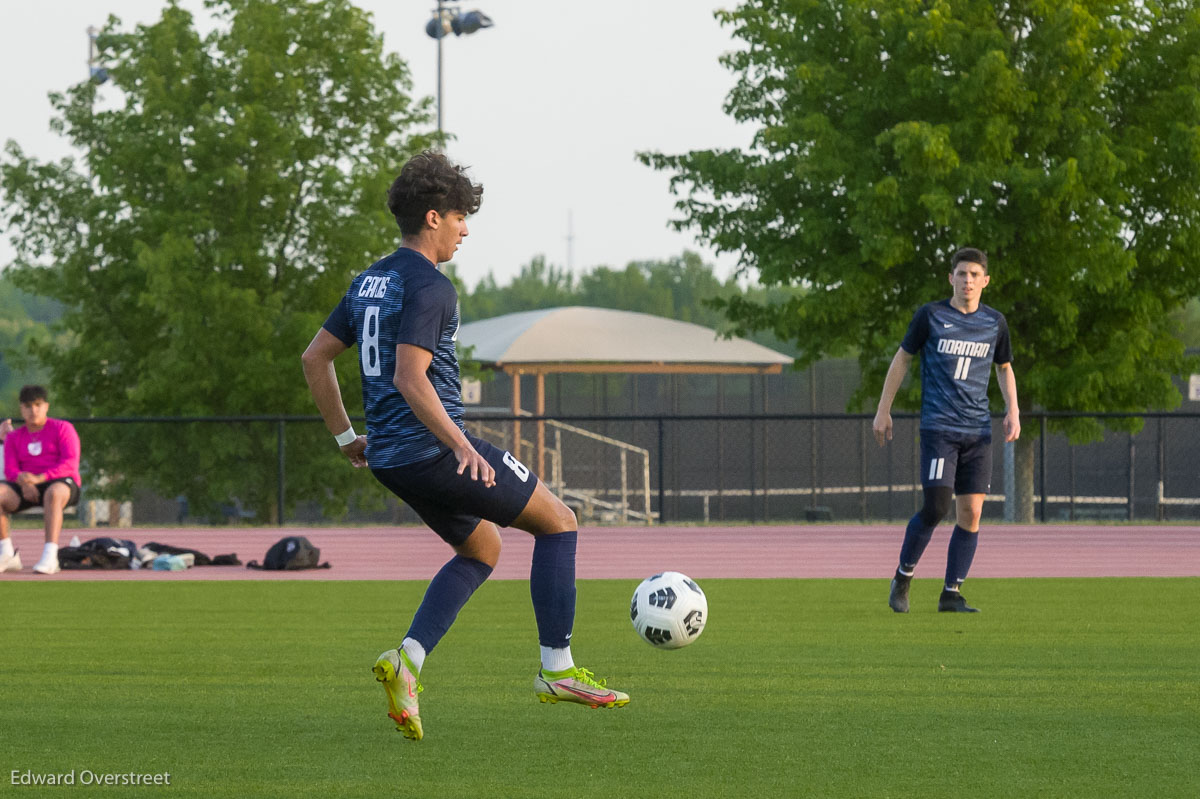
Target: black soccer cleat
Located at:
point(953, 602)
point(898, 597)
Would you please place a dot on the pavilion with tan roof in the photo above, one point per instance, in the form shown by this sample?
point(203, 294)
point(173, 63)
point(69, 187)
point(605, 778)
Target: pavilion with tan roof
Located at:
point(598, 340)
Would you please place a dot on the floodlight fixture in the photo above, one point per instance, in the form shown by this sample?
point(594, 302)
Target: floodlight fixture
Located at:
point(444, 22)
point(452, 20)
point(441, 24)
point(470, 22)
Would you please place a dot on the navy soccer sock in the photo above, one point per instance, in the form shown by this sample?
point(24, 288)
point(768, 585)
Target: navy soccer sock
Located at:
point(444, 598)
point(959, 557)
point(916, 538)
point(552, 587)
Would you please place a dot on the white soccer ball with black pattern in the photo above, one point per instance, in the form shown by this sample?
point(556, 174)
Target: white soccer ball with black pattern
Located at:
point(668, 610)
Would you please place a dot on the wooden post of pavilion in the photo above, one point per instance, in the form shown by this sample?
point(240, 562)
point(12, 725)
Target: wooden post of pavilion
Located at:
point(541, 425)
point(516, 409)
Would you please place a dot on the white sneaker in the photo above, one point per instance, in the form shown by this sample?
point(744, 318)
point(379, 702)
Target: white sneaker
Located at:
point(12, 563)
point(45, 566)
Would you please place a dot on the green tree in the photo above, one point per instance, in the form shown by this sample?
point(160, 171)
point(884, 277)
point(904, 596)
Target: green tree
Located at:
point(690, 285)
point(537, 285)
point(1061, 138)
point(23, 318)
point(217, 215)
point(683, 287)
point(627, 289)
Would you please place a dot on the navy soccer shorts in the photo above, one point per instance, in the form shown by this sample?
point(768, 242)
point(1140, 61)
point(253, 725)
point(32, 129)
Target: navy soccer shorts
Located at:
point(959, 460)
point(453, 504)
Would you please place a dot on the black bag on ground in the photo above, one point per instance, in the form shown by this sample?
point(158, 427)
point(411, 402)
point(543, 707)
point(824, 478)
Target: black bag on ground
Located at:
point(74, 558)
point(289, 554)
point(98, 553)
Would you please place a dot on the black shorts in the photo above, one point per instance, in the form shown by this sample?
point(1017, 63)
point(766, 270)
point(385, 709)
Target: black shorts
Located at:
point(41, 487)
point(453, 504)
point(959, 460)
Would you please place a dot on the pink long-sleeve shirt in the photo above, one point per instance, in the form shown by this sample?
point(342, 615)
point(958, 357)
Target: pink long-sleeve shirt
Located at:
point(53, 450)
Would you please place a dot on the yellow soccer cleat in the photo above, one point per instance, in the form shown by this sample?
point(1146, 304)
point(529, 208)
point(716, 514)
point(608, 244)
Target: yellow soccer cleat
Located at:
point(576, 685)
point(400, 683)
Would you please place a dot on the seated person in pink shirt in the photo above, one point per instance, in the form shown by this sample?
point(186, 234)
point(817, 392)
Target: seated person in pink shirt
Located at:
point(41, 468)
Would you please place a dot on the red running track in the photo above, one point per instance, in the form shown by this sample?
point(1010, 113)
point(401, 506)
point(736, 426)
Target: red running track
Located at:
point(415, 553)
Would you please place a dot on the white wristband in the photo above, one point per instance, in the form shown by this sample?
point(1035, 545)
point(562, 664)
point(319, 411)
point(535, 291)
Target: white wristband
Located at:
point(346, 437)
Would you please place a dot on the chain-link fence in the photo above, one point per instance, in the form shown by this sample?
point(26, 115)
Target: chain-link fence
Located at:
point(646, 469)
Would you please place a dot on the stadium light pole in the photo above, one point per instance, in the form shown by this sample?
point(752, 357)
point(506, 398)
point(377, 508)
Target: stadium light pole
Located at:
point(96, 74)
point(447, 20)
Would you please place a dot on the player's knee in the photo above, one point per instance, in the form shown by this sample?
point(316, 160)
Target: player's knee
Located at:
point(566, 517)
point(56, 494)
point(559, 517)
point(488, 554)
point(546, 514)
point(483, 545)
point(931, 516)
point(968, 518)
point(937, 505)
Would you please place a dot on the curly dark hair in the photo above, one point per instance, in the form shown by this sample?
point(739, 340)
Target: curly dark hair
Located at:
point(430, 181)
point(31, 394)
point(970, 254)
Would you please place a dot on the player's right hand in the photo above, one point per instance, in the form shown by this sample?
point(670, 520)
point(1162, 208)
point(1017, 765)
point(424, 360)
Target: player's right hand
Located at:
point(356, 451)
point(6, 427)
point(474, 465)
point(882, 427)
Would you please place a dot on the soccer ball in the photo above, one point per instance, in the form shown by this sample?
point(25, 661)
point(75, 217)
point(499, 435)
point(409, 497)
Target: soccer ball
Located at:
point(668, 610)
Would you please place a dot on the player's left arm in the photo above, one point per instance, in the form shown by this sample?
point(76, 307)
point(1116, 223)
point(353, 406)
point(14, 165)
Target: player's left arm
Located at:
point(1008, 389)
point(323, 383)
point(68, 452)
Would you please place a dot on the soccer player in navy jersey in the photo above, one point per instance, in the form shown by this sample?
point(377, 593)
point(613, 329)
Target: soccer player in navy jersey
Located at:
point(959, 339)
point(402, 314)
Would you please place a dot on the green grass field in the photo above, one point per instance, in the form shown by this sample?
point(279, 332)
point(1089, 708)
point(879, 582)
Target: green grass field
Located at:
point(797, 688)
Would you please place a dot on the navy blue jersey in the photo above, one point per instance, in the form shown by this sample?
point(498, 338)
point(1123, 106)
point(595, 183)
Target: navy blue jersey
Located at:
point(957, 353)
point(400, 299)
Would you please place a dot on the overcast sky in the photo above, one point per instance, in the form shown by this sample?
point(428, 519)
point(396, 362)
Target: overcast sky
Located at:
point(548, 107)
